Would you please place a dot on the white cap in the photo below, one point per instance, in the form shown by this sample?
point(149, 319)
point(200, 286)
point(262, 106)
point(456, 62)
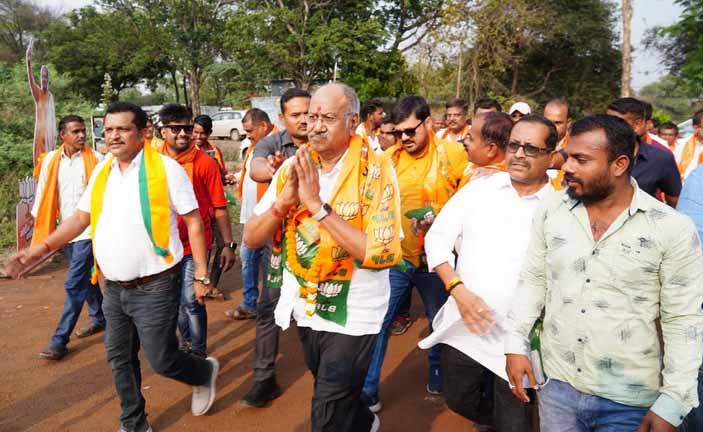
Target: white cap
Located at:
point(520, 106)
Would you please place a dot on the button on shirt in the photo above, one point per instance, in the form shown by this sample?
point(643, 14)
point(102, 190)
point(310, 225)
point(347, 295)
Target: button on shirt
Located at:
point(656, 170)
point(71, 184)
point(369, 290)
point(602, 300)
point(121, 245)
point(492, 222)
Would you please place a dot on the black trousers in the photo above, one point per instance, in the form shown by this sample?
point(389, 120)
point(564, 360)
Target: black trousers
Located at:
point(339, 364)
point(465, 390)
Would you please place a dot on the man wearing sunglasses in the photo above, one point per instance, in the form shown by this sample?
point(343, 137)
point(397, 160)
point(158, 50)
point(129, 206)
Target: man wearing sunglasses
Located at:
point(429, 171)
point(491, 219)
point(204, 174)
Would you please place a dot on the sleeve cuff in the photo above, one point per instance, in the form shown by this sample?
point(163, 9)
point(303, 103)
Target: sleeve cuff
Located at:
point(435, 259)
point(516, 345)
point(669, 409)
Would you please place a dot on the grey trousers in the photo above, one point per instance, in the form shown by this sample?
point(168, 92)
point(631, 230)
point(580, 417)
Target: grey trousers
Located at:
point(267, 332)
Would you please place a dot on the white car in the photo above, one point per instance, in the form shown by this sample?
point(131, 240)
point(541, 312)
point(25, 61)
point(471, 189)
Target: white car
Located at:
point(228, 124)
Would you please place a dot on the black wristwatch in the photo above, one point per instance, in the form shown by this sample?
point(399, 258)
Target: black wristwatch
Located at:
point(231, 245)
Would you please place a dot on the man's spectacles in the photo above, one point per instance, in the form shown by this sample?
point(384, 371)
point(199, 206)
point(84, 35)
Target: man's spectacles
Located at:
point(176, 129)
point(410, 132)
point(528, 149)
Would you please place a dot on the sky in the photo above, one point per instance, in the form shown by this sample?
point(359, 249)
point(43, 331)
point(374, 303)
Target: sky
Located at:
point(646, 66)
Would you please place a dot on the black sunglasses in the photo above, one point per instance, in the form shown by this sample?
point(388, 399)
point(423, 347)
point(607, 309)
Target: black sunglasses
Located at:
point(176, 129)
point(528, 149)
point(410, 132)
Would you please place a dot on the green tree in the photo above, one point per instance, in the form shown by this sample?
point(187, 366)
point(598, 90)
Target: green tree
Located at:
point(91, 43)
point(302, 41)
point(682, 45)
point(672, 96)
point(21, 20)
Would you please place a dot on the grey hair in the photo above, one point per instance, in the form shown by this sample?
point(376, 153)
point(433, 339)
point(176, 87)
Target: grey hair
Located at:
point(353, 105)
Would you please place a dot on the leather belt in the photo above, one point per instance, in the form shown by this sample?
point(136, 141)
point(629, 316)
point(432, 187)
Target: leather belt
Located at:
point(134, 283)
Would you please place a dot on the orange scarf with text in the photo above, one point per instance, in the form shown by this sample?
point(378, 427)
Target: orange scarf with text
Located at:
point(365, 197)
point(47, 215)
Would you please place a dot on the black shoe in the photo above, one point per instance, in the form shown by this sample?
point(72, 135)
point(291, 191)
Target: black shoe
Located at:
point(261, 393)
point(53, 353)
point(90, 330)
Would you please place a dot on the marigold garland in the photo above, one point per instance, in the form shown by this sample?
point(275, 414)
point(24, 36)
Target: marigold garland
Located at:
point(311, 275)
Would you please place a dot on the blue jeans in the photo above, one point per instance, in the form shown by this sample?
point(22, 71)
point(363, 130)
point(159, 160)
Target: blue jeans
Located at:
point(78, 290)
point(562, 408)
point(146, 315)
point(433, 295)
point(192, 316)
point(254, 263)
point(694, 420)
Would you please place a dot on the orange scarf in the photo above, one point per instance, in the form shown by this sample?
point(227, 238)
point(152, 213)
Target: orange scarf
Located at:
point(185, 159)
point(45, 223)
point(687, 155)
point(472, 170)
point(462, 134)
point(260, 187)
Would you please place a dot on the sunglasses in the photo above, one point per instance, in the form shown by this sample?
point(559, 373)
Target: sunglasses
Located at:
point(528, 149)
point(410, 132)
point(176, 129)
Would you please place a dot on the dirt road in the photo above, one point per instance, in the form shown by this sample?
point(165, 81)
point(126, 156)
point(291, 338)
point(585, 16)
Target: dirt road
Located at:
point(77, 394)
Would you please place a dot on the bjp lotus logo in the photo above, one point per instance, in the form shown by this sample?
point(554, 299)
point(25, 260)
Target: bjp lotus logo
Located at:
point(275, 262)
point(338, 253)
point(375, 171)
point(387, 196)
point(347, 210)
point(384, 235)
point(329, 289)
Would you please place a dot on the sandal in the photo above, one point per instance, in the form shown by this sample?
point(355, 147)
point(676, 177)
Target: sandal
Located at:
point(241, 313)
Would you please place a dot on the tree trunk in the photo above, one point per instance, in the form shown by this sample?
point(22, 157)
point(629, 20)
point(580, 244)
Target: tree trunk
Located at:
point(458, 76)
point(195, 93)
point(626, 48)
point(185, 91)
point(175, 86)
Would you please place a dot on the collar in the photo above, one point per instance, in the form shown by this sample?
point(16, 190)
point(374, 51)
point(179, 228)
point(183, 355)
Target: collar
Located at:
point(134, 163)
point(337, 167)
point(285, 138)
point(644, 151)
point(504, 182)
point(640, 200)
point(77, 154)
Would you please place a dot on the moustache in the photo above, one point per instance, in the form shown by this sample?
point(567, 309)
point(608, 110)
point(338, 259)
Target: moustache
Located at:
point(571, 178)
point(520, 162)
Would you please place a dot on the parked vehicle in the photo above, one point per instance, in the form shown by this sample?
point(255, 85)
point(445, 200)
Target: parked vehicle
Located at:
point(227, 124)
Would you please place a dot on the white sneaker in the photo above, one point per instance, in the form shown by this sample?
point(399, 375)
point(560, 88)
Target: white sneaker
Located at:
point(376, 407)
point(204, 395)
point(376, 425)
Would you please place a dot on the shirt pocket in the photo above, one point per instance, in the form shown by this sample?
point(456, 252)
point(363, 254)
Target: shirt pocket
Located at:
point(634, 275)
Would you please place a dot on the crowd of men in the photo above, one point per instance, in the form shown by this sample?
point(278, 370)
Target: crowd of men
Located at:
point(558, 261)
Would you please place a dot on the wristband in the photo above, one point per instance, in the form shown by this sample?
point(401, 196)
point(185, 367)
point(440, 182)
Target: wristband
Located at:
point(453, 284)
point(276, 212)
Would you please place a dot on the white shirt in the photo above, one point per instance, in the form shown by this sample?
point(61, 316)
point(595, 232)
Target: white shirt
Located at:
point(122, 246)
point(494, 223)
point(71, 184)
point(678, 153)
point(369, 290)
point(249, 187)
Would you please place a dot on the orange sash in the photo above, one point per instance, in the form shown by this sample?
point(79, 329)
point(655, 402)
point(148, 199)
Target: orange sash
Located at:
point(45, 222)
point(480, 171)
point(260, 187)
point(185, 159)
point(462, 134)
point(687, 155)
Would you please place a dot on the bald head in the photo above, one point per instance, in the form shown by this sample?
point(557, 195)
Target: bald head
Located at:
point(333, 117)
point(557, 111)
